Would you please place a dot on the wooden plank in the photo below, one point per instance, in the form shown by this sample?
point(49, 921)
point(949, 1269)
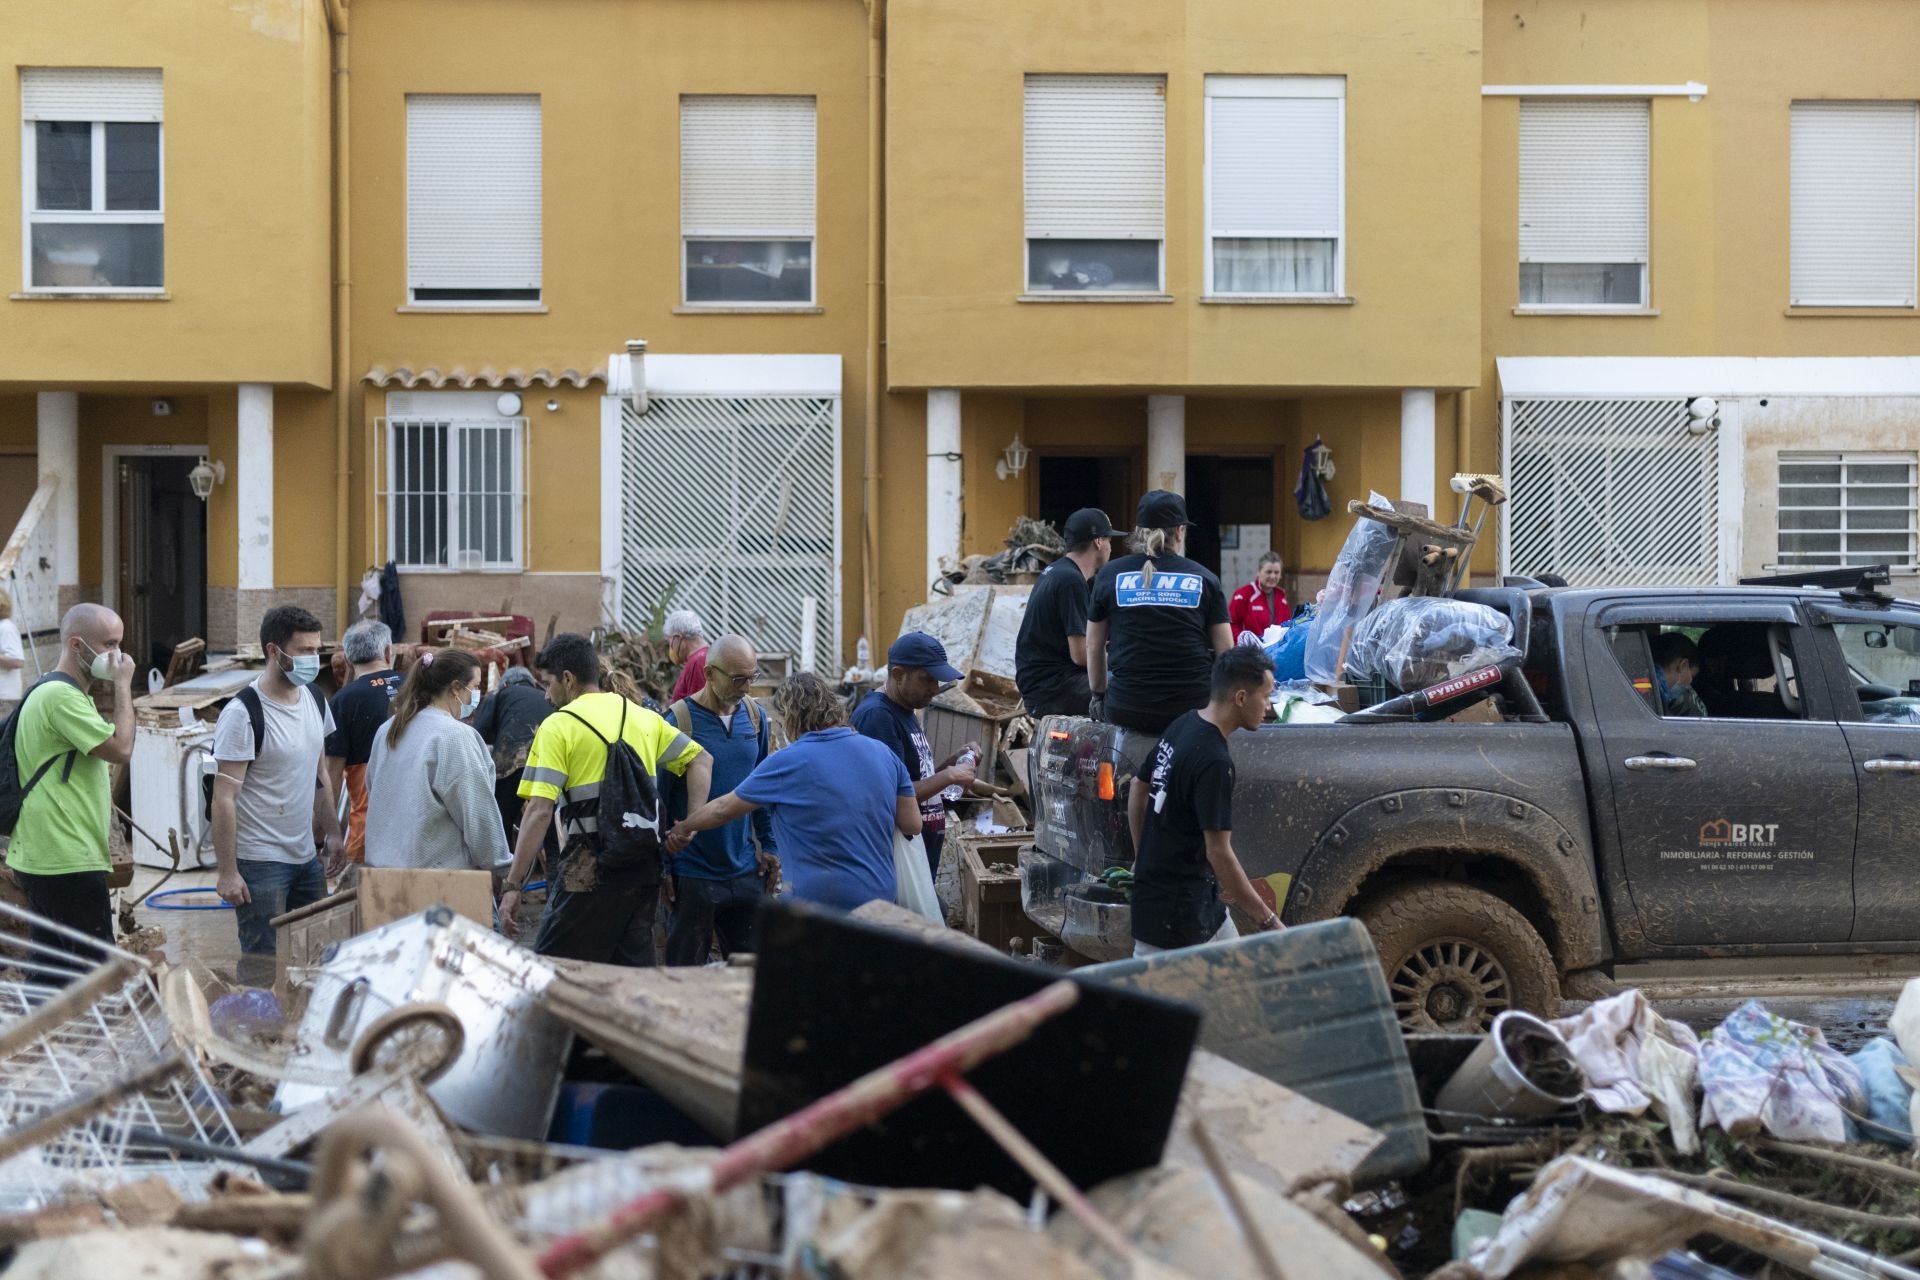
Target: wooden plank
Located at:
point(393, 893)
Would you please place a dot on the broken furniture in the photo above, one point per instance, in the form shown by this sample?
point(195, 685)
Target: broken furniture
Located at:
point(380, 895)
point(989, 872)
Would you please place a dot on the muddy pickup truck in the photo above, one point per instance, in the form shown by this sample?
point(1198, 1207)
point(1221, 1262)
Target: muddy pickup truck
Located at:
point(1575, 829)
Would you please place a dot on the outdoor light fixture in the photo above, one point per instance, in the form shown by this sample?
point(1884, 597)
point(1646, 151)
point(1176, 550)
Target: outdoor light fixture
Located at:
point(553, 406)
point(508, 404)
point(1703, 412)
point(635, 392)
point(1013, 459)
point(204, 476)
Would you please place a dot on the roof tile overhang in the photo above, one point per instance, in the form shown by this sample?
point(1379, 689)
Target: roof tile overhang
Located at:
point(459, 376)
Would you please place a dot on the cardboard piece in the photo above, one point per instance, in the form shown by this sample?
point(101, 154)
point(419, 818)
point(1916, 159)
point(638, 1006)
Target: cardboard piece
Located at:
point(393, 893)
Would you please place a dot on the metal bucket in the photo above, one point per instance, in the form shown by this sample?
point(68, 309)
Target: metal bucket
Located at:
point(1492, 1085)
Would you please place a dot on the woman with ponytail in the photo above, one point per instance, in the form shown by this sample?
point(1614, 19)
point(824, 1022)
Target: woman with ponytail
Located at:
point(1154, 623)
point(430, 780)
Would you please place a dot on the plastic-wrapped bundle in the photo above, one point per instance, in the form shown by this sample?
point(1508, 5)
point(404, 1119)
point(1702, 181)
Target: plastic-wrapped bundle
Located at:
point(1418, 641)
point(1351, 590)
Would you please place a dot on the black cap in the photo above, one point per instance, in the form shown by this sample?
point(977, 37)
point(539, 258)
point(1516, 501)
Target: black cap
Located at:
point(1162, 509)
point(1086, 524)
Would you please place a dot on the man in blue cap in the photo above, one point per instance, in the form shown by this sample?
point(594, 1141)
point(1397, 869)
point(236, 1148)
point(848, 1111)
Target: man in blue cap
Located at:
point(917, 667)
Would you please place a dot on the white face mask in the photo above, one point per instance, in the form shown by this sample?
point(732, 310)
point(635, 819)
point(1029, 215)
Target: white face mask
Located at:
point(102, 665)
point(471, 703)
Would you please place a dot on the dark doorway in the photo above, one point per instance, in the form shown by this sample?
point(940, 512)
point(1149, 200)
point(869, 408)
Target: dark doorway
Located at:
point(1070, 482)
point(1230, 501)
point(162, 557)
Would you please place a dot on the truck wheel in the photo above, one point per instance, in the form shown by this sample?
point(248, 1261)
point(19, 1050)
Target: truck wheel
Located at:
point(1457, 956)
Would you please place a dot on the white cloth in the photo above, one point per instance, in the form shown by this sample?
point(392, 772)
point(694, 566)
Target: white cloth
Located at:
point(273, 811)
point(1633, 1058)
point(430, 801)
point(11, 684)
point(1227, 931)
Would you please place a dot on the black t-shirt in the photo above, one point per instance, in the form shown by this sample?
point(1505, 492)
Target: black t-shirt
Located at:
point(1176, 900)
point(358, 712)
point(1051, 682)
point(881, 718)
point(1159, 631)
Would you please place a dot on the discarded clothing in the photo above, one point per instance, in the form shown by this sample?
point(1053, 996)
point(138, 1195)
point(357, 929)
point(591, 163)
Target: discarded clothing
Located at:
point(1760, 1070)
point(1634, 1058)
point(1888, 1117)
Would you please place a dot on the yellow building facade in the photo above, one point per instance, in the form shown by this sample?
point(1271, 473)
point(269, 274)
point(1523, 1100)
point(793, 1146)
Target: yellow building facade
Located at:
point(653, 315)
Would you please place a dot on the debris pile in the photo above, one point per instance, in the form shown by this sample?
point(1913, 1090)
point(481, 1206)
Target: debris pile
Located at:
point(1031, 545)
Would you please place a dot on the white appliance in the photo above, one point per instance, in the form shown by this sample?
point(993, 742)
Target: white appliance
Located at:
point(164, 777)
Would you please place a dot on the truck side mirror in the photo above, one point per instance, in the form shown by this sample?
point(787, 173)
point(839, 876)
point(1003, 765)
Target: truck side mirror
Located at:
point(1874, 639)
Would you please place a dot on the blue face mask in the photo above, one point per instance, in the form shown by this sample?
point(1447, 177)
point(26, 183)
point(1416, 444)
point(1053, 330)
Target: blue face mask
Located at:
point(305, 668)
point(471, 703)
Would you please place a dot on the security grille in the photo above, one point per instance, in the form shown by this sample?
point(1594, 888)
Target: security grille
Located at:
point(453, 492)
point(1842, 509)
point(730, 506)
point(1613, 493)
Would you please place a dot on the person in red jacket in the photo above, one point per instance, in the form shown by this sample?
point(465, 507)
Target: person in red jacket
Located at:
point(1261, 603)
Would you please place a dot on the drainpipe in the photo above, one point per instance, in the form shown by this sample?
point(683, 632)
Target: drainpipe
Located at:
point(342, 294)
point(876, 269)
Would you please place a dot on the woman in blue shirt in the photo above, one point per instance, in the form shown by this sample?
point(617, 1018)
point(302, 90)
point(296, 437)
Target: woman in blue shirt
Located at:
point(835, 799)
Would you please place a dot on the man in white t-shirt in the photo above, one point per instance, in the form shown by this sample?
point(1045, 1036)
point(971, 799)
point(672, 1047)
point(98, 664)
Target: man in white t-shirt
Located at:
point(13, 656)
point(273, 790)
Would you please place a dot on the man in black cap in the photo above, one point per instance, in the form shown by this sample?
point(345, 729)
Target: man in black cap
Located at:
point(916, 668)
point(1156, 621)
point(1050, 657)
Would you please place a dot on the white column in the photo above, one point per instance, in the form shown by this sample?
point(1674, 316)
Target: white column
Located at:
point(944, 484)
point(1416, 446)
point(253, 486)
point(1167, 443)
point(58, 441)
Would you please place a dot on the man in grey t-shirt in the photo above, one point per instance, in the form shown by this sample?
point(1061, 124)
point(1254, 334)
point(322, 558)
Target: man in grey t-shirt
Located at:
point(271, 793)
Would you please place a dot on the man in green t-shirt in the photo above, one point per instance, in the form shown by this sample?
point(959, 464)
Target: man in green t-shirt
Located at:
point(58, 852)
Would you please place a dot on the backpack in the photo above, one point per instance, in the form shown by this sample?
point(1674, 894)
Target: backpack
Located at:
point(13, 792)
point(627, 808)
point(249, 698)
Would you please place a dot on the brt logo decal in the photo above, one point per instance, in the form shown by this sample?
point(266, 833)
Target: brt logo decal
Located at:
point(1176, 590)
point(1722, 832)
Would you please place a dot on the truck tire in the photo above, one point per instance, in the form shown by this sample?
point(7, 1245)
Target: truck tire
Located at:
point(1456, 956)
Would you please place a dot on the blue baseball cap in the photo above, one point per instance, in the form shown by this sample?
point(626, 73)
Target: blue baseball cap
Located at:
point(918, 649)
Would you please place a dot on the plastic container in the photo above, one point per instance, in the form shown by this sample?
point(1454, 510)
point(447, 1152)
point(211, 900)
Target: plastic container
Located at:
point(953, 794)
point(1506, 1079)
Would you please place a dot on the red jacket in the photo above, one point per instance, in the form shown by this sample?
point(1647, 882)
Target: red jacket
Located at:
point(1251, 609)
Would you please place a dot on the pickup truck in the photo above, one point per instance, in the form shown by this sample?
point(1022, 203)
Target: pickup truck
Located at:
point(1574, 828)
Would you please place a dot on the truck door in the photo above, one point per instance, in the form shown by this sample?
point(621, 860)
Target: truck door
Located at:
point(1735, 806)
point(1873, 665)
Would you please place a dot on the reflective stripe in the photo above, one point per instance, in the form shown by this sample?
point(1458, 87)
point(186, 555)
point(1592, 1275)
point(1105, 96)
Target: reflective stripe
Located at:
point(551, 777)
point(585, 791)
point(680, 743)
point(583, 826)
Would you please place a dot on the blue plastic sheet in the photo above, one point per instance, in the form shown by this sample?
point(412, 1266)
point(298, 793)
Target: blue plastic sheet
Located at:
point(1889, 1098)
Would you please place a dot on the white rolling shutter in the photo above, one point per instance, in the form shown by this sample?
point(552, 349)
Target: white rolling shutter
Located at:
point(747, 167)
point(1854, 214)
point(90, 93)
point(473, 191)
point(1583, 181)
point(1274, 156)
point(1096, 157)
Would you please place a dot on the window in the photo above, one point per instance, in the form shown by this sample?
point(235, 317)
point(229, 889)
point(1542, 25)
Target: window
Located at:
point(1583, 204)
point(747, 187)
point(455, 486)
point(1844, 509)
point(91, 174)
point(1853, 175)
point(473, 199)
point(1700, 669)
point(1275, 185)
point(1095, 183)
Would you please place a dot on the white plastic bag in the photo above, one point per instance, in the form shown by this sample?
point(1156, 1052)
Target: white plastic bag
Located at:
point(913, 879)
point(1351, 590)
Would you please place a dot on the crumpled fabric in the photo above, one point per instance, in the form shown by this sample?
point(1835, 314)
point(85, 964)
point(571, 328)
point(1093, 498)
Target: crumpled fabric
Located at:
point(1633, 1058)
point(1884, 1071)
point(1762, 1071)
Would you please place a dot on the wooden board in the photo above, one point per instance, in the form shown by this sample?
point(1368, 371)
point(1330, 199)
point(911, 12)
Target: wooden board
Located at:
point(393, 893)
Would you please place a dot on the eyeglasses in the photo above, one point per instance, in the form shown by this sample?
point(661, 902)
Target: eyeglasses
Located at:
point(736, 680)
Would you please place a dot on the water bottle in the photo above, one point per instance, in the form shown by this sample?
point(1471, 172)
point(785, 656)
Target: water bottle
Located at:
point(953, 793)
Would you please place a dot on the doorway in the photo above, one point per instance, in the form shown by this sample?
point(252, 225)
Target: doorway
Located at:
point(160, 541)
point(1230, 501)
point(1068, 482)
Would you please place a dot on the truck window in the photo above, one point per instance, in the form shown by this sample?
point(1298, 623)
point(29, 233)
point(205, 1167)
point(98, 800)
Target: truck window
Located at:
point(1883, 663)
point(1718, 670)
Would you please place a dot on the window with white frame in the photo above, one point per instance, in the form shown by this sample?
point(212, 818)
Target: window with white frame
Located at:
point(1854, 173)
point(473, 199)
point(1276, 203)
point(453, 483)
point(1838, 510)
point(747, 196)
point(1096, 183)
point(1583, 203)
point(91, 176)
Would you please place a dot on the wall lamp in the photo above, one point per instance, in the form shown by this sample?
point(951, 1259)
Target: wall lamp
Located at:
point(1013, 459)
point(204, 476)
